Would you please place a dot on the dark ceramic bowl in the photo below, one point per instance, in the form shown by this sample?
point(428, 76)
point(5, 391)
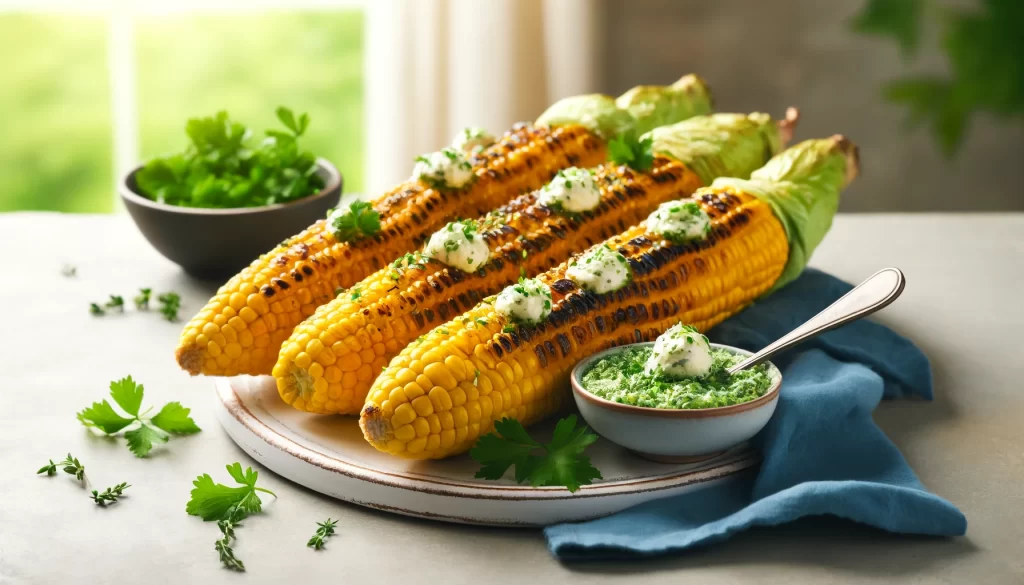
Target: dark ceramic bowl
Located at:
point(216, 243)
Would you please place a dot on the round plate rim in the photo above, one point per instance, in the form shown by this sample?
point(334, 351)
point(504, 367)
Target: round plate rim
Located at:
point(238, 410)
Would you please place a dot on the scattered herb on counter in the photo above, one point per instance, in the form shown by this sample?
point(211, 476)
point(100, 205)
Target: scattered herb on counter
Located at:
point(69, 271)
point(560, 463)
point(228, 506)
point(629, 150)
point(116, 303)
point(110, 495)
point(50, 469)
point(223, 544)
point(324, 531)
point(70, 465)
point(170, 303)
point(173, 418)
point(142, 299)
point(223, 167)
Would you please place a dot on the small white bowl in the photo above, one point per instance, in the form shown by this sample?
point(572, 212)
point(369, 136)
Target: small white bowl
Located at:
point(674, 435)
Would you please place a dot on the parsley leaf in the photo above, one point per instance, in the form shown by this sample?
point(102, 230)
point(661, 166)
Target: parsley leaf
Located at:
point(561, 462)
point(127, 394)
point(215, 501)
point(141, 439)
point(103, 417)
point(358, 221)
point(173, 418)
point(629, 150)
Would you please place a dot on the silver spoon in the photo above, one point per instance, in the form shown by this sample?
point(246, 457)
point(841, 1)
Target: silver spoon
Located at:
point(880, 289)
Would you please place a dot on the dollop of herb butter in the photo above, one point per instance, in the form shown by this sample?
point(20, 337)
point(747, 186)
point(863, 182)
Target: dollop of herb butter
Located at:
point(571, 190)
point(622, 377)
point(473, 139)
point(680, 352)
point(528, 301)
point(446, 169)
point(602, 270)
point(679, 221)
point(459, 245)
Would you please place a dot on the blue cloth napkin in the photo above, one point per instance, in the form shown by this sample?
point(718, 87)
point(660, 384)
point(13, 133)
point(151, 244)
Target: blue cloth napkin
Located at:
point(823, 454)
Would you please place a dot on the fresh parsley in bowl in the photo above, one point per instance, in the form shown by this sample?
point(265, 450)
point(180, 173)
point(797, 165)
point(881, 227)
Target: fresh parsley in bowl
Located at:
point(224, 166)
point(228, 198)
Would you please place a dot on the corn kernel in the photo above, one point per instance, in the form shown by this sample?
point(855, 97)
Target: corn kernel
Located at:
point(404, 414)
point(423, 406)
point(405, 433)
point(422, 427)
point(416, 445)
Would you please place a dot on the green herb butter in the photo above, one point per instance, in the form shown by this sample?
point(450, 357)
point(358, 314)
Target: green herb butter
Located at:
point(620, 377)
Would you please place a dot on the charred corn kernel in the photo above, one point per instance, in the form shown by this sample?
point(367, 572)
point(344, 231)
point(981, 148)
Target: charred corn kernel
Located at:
point(403, 301)
point(748, 250)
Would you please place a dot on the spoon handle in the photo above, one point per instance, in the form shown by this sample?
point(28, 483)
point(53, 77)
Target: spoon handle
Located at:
point(880, 289)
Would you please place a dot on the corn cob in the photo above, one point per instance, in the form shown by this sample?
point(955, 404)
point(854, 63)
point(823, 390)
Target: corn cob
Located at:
point(437, 397)
point(240, 330)
point(332, 358)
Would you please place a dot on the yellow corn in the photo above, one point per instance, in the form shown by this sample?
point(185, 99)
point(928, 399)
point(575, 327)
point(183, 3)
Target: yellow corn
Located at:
point(241, 329)
point(332, 358)
point(437, 397)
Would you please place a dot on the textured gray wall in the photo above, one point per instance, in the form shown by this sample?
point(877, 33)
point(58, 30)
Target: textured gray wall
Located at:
point(768, 55)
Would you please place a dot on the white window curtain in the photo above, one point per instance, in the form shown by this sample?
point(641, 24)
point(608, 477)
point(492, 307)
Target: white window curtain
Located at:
point(434, 67)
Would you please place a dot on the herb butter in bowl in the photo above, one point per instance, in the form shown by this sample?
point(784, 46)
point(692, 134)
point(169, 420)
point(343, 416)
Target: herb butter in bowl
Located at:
point(672, 400)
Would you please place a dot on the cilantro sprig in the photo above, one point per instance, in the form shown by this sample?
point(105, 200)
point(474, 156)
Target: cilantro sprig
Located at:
point(140, 431)
point(228, 506)
point(216, 501)
point(224, 167)
point(357, 221)
point(559, 462)
point(627, 149)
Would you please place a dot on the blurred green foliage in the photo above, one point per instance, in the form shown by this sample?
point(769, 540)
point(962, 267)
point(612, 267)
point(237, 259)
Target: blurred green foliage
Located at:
point(56, 146)
point(985, 52)
point(55, 131)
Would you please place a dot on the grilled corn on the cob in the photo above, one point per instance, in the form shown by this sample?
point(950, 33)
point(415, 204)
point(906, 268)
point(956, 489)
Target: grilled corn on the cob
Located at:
point(241, 329)
point(332, 358)
point(437, 397)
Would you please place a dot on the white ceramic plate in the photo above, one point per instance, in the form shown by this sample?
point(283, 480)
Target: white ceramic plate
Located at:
point(329, 455)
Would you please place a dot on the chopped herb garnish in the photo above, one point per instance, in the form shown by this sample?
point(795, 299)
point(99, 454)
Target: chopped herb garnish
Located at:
point(629, 150)
point(142, 299)
point(170, 303)
point(359, 220)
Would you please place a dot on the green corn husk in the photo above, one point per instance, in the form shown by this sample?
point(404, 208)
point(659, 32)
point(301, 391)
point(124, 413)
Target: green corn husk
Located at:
point(637, 110)
point(655, 105)
point(802, 186)
point(719, 145)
